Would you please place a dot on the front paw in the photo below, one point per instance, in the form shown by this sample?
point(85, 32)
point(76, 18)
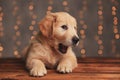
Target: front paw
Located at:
point(38, 71)
point(64, 68)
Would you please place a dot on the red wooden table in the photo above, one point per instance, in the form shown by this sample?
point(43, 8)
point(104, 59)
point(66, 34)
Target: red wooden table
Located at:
point(88, 69)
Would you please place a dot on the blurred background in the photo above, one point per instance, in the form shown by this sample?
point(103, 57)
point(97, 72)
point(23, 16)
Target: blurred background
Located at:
point(98, 25)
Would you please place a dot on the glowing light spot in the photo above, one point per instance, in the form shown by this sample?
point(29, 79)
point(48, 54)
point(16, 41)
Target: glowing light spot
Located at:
point(65, 3)
point(16, 27)
point(32, 37)
point(100, 42)
point(33, 22)
point(49, 8)
point(1, 48)
point(34, 32)
point(115, 18)
point(100, 12)
point(83, 51)
point(31, 28)
point(100, 27)
point(31, 7)
point(114, 8)
point(100, 52)
point(18, 33)
point(115, 22)
point(16, 52)
point(115, 30)
point(82, 32)
point(117, 36)
point(16, 8)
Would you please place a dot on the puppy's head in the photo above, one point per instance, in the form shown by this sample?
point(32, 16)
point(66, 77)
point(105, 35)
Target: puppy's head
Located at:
point(62, 28)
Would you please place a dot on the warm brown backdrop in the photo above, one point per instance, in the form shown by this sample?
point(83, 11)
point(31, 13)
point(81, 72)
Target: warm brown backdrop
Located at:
point(98, 25)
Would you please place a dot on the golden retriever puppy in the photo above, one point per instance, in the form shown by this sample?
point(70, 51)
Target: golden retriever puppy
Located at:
point(52, 46)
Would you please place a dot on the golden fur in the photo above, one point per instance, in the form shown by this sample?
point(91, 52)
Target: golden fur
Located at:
point(43, 51)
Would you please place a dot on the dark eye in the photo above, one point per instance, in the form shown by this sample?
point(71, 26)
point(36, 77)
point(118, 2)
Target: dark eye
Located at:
point(64, 27)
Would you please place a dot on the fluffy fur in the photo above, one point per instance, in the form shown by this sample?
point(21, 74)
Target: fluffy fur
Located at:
point(52, 46)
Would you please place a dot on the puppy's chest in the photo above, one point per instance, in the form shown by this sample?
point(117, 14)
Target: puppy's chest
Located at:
point(49, 56)
point(52, 61)
point(52, 58)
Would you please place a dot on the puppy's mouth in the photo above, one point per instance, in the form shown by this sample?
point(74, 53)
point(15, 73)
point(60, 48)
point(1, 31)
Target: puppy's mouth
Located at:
point(62, 48)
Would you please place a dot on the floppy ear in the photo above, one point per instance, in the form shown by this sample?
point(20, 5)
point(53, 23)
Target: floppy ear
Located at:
point(46, 25)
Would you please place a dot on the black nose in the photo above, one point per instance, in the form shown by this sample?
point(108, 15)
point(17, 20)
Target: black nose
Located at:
point(75, 40)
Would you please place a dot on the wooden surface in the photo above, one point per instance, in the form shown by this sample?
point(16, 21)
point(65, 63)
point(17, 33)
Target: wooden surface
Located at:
point(88, 69)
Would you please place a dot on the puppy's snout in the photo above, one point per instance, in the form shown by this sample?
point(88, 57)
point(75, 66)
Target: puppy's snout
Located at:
point(75, 40)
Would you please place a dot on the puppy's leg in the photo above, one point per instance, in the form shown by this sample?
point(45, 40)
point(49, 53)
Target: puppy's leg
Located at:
point(37, 68)
point(67, 64)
